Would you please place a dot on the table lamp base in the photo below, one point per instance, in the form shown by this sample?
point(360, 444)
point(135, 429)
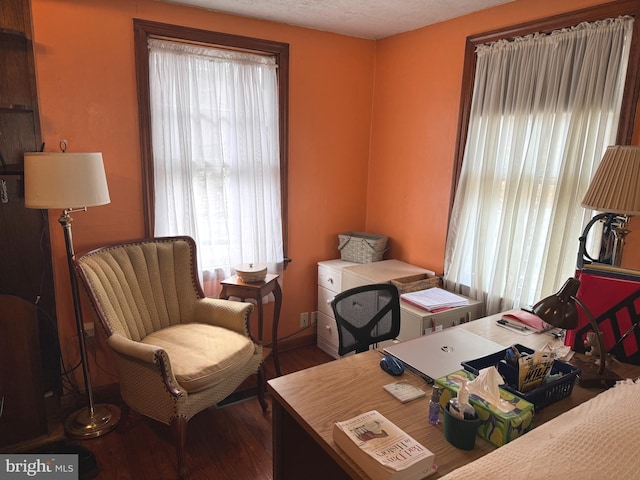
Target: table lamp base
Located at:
point(589, 377)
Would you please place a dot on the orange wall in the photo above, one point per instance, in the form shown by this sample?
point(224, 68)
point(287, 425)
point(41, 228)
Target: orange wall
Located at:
point(414, 126)
point(358, 160)
point(87, 92)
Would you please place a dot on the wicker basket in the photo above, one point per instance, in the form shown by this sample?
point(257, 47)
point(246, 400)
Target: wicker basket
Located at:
point(542, 396)
point(360, 247)
point(415, 283)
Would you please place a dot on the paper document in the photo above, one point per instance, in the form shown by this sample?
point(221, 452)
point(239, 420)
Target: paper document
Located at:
point(434, 298)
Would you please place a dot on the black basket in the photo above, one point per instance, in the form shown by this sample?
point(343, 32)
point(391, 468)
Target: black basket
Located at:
point(542, 396)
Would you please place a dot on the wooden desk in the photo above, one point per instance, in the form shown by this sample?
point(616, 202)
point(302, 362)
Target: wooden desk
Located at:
point(307, 404)
point(234, 287)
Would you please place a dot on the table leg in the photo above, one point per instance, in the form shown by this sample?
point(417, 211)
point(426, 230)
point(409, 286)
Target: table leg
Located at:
point(277, 293)
point(260, 316)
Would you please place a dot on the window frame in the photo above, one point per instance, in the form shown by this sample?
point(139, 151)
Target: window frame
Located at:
point(547, 25)
point(143, 30)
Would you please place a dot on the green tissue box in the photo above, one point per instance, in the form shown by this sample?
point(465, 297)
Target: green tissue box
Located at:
point(496, 427)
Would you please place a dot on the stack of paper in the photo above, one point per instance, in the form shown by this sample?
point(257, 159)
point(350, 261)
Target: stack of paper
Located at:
point(434, 298)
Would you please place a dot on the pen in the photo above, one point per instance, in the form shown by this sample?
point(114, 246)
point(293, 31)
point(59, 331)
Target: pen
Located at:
point(506, 323)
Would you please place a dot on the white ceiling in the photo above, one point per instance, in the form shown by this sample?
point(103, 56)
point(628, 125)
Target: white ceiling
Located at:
point(372, 19)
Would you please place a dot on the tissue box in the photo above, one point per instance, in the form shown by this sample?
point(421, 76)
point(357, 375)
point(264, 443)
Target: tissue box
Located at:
point(497, 427)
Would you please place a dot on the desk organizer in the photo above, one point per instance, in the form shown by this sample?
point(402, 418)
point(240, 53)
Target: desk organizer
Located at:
point(415, 283)
point(496, 426)
point(542, 396)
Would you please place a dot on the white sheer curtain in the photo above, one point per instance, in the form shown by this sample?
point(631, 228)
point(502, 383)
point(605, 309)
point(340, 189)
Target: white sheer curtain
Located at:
point(544, 109)
point(214, 117)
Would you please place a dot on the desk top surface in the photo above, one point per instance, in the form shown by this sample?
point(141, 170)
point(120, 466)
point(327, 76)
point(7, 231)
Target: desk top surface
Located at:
point(341, 389)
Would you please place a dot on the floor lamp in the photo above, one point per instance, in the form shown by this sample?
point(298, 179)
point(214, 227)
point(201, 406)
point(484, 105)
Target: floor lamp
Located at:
point(72, 182)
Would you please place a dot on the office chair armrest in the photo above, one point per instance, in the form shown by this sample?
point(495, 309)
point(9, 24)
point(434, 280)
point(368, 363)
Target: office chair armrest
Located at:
point(154, 358)
point(224, 313)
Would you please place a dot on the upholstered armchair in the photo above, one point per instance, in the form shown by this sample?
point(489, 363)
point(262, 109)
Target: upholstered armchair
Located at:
point(176, 352)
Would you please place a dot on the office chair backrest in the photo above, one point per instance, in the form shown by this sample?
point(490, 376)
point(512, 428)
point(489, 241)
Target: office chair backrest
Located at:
point(366, 315)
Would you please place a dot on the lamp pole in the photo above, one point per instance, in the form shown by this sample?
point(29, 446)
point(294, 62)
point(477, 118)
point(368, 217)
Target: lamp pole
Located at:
point(95, 420)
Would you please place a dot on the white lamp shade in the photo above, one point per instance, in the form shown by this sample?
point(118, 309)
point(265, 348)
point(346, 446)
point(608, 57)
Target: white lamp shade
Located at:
point(64, 180)
point(615, 188)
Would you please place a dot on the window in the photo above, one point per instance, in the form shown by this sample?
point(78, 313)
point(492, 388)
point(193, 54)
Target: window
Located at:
point(213, 122)
point(516, 218)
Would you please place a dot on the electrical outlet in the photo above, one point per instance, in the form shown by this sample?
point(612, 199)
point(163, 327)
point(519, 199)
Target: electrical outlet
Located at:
point(304, 320)
point(314, 318)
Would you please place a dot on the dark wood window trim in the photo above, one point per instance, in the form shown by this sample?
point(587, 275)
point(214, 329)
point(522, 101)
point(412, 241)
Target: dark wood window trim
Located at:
point(144, 29)
point(547, 25)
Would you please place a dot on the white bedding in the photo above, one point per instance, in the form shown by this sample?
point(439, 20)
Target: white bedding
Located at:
point(599, 439)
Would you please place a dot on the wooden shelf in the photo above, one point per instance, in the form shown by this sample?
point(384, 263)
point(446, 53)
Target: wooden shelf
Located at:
point(15, 108)
point(13, 35)
point(11, 171)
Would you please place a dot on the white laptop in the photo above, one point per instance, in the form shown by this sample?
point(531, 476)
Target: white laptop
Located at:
point(438, 354)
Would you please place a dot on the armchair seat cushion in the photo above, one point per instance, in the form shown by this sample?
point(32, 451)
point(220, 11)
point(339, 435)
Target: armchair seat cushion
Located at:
point(202, 355)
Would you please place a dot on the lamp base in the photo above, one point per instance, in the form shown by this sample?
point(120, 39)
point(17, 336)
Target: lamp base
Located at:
point(82, 424)
point(589, 377)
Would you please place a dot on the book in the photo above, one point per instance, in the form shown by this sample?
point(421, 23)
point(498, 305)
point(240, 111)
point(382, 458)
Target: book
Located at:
point(533, 369)
point(434, 298)
point(382, 449)
point(404, 391)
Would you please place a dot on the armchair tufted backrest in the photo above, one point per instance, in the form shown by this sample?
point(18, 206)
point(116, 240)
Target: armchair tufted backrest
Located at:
point(140, 287)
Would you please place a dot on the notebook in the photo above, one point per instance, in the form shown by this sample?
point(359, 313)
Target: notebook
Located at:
point(438, 354)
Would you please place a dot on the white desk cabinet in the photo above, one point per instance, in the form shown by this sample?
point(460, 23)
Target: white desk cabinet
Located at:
point(329, 284)
point(378, 272)
point(335, 276)
point(415, 321)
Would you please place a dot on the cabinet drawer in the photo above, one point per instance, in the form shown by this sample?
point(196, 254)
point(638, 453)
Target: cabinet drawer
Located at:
point(327, 330)
point(325, 296)
point(329, 278)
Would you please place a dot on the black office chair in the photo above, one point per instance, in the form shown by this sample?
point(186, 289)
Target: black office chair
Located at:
point(366, 315)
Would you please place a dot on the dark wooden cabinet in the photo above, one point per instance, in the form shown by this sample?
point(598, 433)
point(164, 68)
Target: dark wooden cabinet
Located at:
point(29, 360)
point(21, 382)
point(19, 120)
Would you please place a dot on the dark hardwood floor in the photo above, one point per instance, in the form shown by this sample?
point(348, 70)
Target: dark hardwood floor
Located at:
point(231, 442)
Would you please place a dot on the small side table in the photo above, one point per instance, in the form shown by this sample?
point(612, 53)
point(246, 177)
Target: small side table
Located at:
point(235, 287)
